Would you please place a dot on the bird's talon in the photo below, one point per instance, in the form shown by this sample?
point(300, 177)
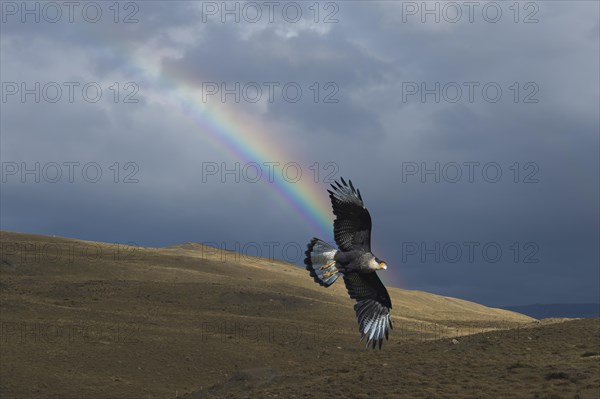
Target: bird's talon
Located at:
point(329, 274)
point(327, 265)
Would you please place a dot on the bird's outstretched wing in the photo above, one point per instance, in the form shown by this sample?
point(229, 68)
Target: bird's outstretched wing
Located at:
point(352, 225)
point(372, 307)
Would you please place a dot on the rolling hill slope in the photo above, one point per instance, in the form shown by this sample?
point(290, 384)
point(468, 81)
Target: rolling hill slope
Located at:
point(85, 319)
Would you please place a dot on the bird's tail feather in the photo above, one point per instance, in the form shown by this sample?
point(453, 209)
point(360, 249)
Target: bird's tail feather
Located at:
point(320, 262)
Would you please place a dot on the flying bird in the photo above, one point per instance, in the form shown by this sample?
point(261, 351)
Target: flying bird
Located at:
point(354, 261)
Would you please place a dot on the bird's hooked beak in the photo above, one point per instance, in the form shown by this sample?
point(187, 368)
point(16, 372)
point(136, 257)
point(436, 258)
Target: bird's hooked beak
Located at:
point(383, 265)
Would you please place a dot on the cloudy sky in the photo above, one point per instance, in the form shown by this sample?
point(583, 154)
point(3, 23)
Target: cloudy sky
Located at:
point(472, 130)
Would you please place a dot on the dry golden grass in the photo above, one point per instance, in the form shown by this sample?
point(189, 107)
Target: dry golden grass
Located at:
point(83, 319)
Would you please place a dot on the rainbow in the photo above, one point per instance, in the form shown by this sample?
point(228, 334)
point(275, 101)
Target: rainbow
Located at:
point(241, 136)
point(244, 140)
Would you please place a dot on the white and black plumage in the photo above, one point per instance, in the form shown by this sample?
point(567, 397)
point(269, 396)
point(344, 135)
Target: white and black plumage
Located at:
point(354, 261)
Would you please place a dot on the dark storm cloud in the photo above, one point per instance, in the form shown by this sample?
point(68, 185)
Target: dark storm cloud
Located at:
point(373, 134)
point(303, 61)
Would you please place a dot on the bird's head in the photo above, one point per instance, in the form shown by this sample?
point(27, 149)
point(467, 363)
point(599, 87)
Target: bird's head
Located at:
point(381, 264)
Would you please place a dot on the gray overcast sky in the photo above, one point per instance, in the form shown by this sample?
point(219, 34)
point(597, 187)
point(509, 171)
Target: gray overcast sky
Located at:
point(472, 130)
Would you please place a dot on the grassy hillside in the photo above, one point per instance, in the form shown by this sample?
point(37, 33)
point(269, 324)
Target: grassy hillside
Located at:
point(85, 319)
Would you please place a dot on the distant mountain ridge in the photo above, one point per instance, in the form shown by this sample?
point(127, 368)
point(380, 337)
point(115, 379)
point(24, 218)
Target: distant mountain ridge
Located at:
point(544, 311)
